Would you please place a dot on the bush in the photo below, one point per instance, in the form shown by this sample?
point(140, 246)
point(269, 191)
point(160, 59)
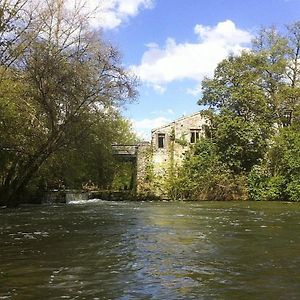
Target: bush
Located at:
point(293, 190)
point(204, 177)
point(278, 176)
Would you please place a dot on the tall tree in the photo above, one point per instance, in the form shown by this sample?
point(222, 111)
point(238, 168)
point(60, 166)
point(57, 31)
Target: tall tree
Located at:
point(67, 75)
point(261, 84)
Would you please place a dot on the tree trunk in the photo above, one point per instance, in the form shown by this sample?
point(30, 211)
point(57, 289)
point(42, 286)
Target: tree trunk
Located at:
point(12, 191)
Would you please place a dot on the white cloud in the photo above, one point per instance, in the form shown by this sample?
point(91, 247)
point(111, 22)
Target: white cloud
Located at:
point(195, 91)
point(105, 14)
point(158, 88)
point(143, 127)
point(109, 14)
point(176, 61)
point(151, 123)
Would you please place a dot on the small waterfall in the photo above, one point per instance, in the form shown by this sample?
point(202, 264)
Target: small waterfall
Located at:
point(76, 197)
point(65, 196)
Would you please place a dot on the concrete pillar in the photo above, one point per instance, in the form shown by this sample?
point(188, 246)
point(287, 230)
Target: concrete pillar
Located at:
point(142, 163)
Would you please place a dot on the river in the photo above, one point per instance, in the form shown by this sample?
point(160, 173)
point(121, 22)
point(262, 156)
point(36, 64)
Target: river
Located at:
point(151, 250)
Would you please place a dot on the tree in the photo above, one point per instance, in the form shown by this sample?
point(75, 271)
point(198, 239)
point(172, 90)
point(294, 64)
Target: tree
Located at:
point(262, 84)
point(280, 70)
point(89, 160)
point(241, 119)
point(203, 175)
point(15, 19)
point(240, 144)
point(253, 102)
point(236, 88)
point(69, 78)
point(278, 176)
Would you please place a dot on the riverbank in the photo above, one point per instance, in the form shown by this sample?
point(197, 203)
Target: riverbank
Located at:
point(65, 196)
point(80, 196)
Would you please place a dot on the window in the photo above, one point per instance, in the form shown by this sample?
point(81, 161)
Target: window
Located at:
point(195, 135)
point(161, 137)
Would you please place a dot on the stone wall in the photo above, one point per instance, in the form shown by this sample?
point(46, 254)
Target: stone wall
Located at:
point(177, 138)
point(143, 166)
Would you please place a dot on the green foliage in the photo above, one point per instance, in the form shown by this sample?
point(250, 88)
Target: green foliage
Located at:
point(240, 144)
point(252, 147)
point(89, 160)
point(293, 189)
point(236, 87)
point(278, 178)
point(59, 99)
point(204, 176)
point(263, 186)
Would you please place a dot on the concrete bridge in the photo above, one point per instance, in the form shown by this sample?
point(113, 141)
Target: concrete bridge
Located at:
point(125, 152)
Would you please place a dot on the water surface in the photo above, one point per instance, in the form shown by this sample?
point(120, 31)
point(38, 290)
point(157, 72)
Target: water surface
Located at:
point(144, 250)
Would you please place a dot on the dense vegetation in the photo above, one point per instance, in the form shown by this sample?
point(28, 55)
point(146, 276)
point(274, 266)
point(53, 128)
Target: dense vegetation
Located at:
point(252, 144)
point(61, 86)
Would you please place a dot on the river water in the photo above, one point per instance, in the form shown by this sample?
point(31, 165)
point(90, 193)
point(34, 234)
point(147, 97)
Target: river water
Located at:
point(151, 250)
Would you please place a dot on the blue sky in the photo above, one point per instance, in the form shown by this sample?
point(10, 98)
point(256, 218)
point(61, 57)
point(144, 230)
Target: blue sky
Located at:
point(172, 44)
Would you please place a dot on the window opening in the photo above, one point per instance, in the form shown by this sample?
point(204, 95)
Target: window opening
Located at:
point(195, 135)
point(161, 137)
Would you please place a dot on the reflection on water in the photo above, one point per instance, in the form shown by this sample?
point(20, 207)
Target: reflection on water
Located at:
point(159, 250)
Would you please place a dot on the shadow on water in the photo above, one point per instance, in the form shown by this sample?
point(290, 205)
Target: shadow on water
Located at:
point(143, 250)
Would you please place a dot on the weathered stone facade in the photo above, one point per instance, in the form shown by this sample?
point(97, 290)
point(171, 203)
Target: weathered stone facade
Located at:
point(143, 160)
point(169, 143)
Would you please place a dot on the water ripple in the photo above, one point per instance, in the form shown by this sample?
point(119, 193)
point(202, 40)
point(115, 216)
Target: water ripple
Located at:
point(140, 250)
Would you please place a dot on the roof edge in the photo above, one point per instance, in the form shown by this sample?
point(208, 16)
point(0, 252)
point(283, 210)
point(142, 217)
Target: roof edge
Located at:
point(179, 119)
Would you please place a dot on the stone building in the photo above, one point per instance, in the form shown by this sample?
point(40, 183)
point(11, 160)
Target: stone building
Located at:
point(169, 144)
